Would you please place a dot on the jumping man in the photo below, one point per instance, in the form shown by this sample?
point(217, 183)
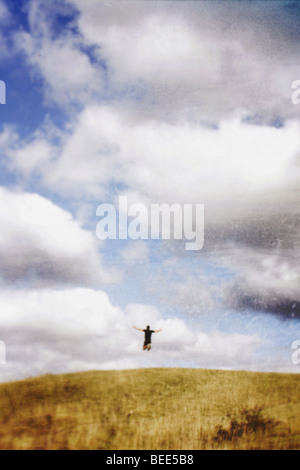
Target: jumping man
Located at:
point(148, 333)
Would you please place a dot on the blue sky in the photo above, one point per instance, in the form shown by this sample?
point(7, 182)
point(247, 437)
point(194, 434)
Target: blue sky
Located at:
point(163, 102)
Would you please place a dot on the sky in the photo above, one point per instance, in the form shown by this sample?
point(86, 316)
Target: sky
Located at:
point(169, 102)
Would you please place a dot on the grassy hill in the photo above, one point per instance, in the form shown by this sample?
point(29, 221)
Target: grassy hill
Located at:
point(152, 409)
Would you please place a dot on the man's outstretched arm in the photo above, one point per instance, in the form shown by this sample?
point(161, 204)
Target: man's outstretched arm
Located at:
point(137, 328)
point(157, 331)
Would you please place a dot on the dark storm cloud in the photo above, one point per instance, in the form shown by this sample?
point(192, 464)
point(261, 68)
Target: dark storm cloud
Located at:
point(266, 279)
point(242, 296)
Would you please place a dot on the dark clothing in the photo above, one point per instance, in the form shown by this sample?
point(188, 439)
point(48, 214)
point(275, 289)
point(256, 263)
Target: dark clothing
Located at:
point(148, 334)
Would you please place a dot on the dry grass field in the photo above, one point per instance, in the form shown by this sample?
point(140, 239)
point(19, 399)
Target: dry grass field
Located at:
point(157, 409)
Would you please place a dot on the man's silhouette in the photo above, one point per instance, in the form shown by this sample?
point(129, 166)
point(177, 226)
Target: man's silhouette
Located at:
point(148, 334)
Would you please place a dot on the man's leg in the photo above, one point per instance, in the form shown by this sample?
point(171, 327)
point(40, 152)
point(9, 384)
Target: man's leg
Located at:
point(149, 346)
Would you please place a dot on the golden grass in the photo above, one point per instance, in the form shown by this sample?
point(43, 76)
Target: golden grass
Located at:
point(156, 409)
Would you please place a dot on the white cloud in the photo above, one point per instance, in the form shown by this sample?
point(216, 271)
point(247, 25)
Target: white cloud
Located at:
point(49, 331)
point(42, 244)
point(142, 315)
point(40, 152)
point(194, 60)
point(139, 51)
point(225, 348)
point(68, 73)
point(174, 162)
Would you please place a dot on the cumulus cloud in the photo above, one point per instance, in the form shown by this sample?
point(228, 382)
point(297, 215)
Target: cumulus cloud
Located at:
point(58, 59)
point(267, 281)
point(52, 331)
point(125, 51)
point(68, 73)
point(184, 161)
point(225, 66)
point(246, 175)
point(42, 244)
